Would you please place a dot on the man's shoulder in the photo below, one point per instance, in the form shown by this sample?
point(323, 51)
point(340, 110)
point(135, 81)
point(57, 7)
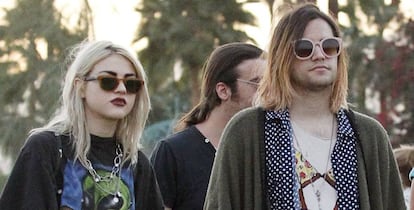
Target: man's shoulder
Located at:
point(183, 136)
point(245, 124)
point(248, 114)
point(367, 127)
point(364, 120)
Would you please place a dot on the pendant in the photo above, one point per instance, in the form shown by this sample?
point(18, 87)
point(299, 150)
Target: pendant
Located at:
point(318, 195)
point(111, 202)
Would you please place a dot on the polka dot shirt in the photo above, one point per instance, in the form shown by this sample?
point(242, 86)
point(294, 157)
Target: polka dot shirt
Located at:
point(282, 182)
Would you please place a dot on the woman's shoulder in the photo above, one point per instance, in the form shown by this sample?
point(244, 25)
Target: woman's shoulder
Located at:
point(143, 166)
point(41, 147)
point(143, 160)
point(42, 139)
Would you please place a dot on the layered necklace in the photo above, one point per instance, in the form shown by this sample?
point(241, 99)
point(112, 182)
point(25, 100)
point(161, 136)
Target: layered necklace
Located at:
point(317, 192)
point(115, 176)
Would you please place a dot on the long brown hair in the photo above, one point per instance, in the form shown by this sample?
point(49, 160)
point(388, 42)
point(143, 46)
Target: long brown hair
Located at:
point(219, 67)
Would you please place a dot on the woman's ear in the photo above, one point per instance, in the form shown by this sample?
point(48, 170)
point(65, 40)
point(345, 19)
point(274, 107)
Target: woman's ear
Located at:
point(79, 84)
point(223, 91)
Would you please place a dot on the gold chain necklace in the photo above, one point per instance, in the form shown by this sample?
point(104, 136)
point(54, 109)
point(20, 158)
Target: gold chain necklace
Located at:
point(316, 191)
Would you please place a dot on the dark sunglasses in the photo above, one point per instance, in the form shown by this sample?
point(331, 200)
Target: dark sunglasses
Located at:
point(110, 83)
point(304, 48)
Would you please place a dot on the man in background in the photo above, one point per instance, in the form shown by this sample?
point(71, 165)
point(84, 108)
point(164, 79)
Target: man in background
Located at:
point(183, 161)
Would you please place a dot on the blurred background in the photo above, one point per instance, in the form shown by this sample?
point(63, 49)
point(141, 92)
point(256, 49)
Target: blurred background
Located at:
point(172, 39)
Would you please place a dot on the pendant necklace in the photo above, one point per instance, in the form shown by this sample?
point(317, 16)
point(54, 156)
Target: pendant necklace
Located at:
point(317, 192)
point(115, 175)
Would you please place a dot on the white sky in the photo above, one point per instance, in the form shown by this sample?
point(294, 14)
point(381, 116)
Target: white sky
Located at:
point(117, 20)
point(123, 21)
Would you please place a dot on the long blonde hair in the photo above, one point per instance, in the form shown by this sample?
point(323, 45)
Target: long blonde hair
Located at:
point(276, 91)
point(71, 119)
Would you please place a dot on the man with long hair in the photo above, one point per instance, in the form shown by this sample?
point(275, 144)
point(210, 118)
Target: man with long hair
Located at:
point(183, 161)
point(303, 148)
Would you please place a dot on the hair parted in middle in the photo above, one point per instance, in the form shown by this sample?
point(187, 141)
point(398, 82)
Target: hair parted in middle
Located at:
point(275, 91)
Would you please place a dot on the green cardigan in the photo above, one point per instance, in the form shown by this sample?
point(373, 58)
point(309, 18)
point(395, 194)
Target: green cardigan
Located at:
point(238, 181)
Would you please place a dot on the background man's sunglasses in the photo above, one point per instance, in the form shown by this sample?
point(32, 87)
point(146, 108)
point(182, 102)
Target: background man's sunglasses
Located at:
point(110, 83)
point(304, 48)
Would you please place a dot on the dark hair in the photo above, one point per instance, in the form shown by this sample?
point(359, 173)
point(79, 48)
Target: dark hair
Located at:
point(219, 67)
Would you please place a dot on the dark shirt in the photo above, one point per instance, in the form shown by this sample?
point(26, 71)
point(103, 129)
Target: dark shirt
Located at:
point(182, 163)
point(33, 183)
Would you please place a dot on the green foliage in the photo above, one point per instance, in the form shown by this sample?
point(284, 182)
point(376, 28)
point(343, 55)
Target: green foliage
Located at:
point(32, 50)
point(383, 65)
point(185, 32)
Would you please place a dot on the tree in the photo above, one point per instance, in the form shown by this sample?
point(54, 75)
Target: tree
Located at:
point(32, 49)
point(270, 4)
point(381, 65)
point(333, 7)
point(180, 35)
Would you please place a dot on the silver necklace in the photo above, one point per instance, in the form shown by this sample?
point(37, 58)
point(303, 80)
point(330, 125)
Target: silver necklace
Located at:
point(115, 169)
point(113, 176)
point(317, 192)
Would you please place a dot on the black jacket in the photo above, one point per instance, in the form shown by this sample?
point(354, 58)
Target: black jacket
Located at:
point(33, 182)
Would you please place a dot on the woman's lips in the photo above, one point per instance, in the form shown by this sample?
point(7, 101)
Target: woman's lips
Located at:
point(119, 102)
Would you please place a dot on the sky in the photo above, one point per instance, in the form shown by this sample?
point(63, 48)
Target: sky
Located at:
point(123, 12)
point(117, 20)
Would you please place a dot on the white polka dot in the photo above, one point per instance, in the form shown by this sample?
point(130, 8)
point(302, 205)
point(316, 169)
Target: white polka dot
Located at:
point(282, 186)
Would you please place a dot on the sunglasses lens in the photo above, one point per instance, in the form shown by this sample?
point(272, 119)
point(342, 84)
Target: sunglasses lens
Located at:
point(303, 48)
point(133, 85)
point(331, 47)
point(108, 83)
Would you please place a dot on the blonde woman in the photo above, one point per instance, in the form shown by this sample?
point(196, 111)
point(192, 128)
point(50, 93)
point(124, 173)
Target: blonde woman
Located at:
point(87, 156)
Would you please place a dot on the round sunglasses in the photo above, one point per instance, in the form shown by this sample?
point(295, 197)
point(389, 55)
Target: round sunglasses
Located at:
point(110, 83)
point(304, 48)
